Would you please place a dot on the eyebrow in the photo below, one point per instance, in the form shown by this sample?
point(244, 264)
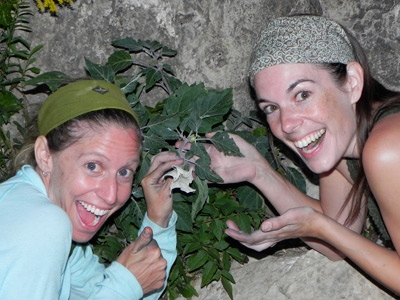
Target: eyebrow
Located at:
point(128, 163)
point(289, 89)
point(297, 82)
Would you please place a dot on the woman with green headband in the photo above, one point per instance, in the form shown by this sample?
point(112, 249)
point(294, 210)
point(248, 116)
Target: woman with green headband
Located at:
point(75, 174)
point(312, 82)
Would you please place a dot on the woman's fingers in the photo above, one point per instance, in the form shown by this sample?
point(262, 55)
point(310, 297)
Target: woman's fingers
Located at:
point(295, 223)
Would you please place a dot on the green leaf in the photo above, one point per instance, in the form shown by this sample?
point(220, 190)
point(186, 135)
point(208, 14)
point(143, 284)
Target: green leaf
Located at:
point(153, 46)
point(182, 100)
point(226, 205)
point(194, 123)
point(227, 286)
point(100, 72)
point(203, 170)
point(20, 54)
point(228, 276)
point(208, 273)
point(243, 222)
point(226, 261)
point(36, 49)
point(215, 103)
point(249, 198)
point(154, 143)
point(141, 112)
point(129, 86)
point(188, 291)
point(223, 142)
point(143, 168)
point(165, 51)
point(164, 126)
point(119, 60)
point(297, 179)
point(19, 39)
point(128, 43)
point(52, 79)
point(34, 70)
point(201, 197)
point(173, 83)
point(199, 150)
point(167, 68)
point(191, 247)
point(152, 77)
point(218, 227)
point(197, 260)
point(221, 245)
point(9, 105)
point(236, 255)
point(184, 222)
point(5, 13)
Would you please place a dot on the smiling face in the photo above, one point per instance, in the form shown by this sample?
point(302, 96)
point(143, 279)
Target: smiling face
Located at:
point(308, 111)
point(92, 178)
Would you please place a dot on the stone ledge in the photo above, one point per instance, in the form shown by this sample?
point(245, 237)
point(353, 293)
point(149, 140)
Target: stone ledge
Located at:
point(296, 275)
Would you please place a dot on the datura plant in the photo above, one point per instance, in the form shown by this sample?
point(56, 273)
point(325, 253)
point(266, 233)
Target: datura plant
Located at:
point(186, 114)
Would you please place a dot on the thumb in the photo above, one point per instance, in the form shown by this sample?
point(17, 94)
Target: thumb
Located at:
point(143, 240)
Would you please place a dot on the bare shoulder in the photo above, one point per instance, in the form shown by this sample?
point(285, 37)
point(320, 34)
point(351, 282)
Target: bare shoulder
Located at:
point(382, 148)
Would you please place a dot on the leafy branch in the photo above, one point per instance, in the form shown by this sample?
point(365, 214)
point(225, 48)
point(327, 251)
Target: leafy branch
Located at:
point(16, 66)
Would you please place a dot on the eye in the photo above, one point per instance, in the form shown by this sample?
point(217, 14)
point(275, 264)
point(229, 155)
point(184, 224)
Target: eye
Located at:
point(125, 173)
point(93, 167)
point(268, 109)
point(302, 95)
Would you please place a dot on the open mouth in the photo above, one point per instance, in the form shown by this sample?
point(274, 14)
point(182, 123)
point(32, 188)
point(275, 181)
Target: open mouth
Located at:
point(311, 142)
point(89, 214)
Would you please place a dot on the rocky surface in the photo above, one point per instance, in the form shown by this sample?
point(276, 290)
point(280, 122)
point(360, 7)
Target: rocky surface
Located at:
point(296, 275)
point(213, 37)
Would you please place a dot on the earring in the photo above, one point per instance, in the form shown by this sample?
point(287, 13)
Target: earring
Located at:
point(44, 174)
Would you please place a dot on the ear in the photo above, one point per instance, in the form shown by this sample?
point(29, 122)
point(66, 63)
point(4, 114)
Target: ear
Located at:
point(355, 80)
point(43, 156)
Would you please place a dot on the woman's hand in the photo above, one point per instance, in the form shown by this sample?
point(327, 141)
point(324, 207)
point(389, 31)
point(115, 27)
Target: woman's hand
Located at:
point(157, 189)
point(297, 222)
point(233, 169)
point(144, 260)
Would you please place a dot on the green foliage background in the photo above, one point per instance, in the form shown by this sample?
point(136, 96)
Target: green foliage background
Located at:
point(186, 113)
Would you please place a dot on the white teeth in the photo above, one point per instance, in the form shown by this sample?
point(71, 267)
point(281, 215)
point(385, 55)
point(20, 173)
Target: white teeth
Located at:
point(96, 220)
point(96, 211)
point(309, 139)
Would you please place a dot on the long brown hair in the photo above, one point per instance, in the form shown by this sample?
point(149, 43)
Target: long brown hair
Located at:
point(373, 92)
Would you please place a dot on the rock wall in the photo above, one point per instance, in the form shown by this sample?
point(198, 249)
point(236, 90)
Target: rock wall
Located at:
point(295, 275)
point(214, 39)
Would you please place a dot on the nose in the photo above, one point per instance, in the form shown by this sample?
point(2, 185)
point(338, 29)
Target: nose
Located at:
point(108, 190)
point(290, 121)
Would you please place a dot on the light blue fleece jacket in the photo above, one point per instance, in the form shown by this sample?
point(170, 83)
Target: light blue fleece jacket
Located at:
point(35, 241)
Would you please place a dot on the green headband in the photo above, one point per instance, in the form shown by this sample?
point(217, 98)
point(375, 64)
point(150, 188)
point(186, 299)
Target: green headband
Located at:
point(78, 98)
point(300, 39)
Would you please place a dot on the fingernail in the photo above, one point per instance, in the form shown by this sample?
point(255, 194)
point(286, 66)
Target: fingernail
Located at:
point(266, 227)
point(147, 231)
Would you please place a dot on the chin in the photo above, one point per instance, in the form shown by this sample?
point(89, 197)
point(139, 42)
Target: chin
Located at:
point(82, 238)
point(319, 167)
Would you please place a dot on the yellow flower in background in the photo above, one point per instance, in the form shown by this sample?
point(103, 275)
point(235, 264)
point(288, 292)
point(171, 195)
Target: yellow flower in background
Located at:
point(51, 5)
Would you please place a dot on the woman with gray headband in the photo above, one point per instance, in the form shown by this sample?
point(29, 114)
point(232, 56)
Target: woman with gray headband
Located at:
point(312, 81)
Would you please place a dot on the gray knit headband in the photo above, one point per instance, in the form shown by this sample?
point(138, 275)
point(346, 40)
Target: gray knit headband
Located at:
point(300, 39)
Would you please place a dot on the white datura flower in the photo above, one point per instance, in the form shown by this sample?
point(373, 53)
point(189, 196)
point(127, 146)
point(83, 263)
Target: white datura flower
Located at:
point(181, 179)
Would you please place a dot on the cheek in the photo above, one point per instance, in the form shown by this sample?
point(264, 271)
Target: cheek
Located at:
point(124, 193)
point(274, 125)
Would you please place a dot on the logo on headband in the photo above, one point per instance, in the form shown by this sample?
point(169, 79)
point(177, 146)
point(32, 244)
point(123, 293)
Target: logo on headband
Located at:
point(100, 90)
